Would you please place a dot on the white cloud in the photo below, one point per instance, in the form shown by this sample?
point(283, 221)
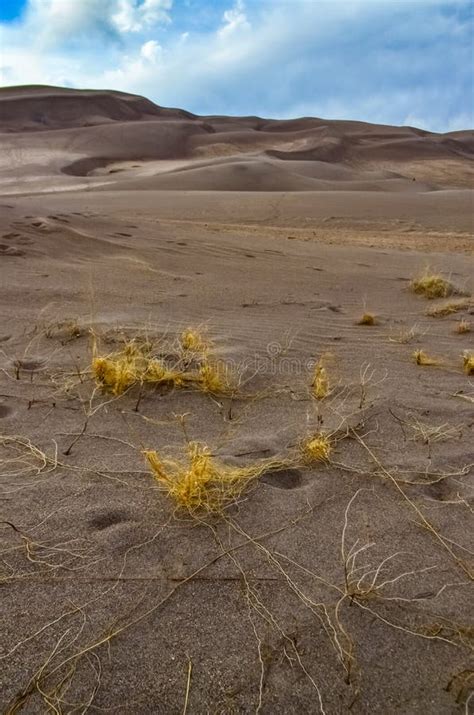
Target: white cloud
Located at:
point(60, 22)
point(56, 21)
point(132, 16)
point(151, 51)
point(234, 19)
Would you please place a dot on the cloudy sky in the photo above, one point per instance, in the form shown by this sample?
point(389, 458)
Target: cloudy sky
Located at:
point(391, 61)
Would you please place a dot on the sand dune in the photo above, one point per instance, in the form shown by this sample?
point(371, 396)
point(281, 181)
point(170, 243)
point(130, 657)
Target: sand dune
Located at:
point(263, 175)
point(46, 108)
point(47, 132)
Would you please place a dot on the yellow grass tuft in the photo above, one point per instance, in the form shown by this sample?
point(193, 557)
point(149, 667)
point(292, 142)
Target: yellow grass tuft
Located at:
point(367, 319)
point(316, 449)
point(203, 483)
point(432, 285)
point(463, 327)
point(115, 373)
point(405, 335)
point(135, 364)
point(211, 378)
point(192, 340)
point(468, 363)
point(454, 306)
point(320, 387)
point(421, 358)
point(65, 330)
point(119, 371)
point(156, 372)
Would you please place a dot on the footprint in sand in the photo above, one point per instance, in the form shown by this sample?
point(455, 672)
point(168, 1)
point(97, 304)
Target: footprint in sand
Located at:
point(17, 237)
point(5, 411)
point(283, 479)
point(60, 218)
point(6, 250)
point(46, 224)
point(105, 519)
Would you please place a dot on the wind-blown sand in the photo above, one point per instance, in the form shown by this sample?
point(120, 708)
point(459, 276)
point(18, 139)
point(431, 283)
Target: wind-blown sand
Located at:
point(332, 587)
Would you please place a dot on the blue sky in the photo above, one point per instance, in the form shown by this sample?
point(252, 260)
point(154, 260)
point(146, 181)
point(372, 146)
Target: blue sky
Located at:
point(10, 9)
point(389, 61)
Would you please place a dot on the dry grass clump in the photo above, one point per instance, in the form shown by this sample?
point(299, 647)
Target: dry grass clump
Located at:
point(65, 330)
point(454, 306)
point(19, 457)
point(367, 319)
point(135, 364)
point(157, 372)
point(432, 285)
point(427, 433)
point(119, 371)
point(317, 448)
point(468, 363)
point(463, 327)
point(320, 387)
point(203, 483)
point(192, 340)
point(213, 378)
point(421, 358)
point(406, 335)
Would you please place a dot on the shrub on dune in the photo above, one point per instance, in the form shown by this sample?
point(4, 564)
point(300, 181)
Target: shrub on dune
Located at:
point(316, 448)
point(468, 363)
point(320, 387)
point(421, 358)
point(432, 285)
point(367, 319)
point(202, 483)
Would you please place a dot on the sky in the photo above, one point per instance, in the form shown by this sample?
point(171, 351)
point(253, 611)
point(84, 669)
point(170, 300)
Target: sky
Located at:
point(404, 62)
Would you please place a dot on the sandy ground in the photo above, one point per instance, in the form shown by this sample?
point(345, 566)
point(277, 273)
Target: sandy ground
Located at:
point(334, 587)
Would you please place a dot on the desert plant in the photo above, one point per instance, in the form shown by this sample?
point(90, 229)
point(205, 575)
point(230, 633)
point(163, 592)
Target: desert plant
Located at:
point(453, 306)
point(430, 434)
point(406, 335)
point(213, 378)
point(432, 285)
point(463, 327)
point(203, 483)
point(468, 363)
point(367, 319)
point(65, 330)
point(192, 340)
point(135, 364)
point(320, 387)
point(421, 358)
point(117, 372)
point(316, 448)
